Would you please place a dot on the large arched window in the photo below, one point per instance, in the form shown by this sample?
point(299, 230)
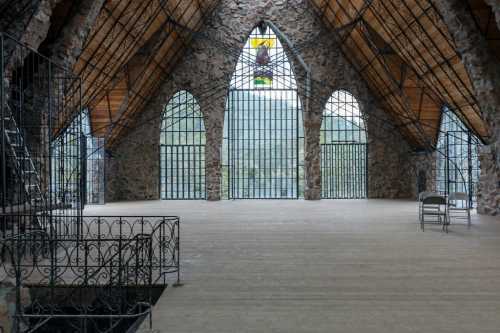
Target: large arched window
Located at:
point(263, 129)
point(94, 163)
point(182, 149)
point(70, 161)
point(66, 167)
point(343, 149)
point(457, 157)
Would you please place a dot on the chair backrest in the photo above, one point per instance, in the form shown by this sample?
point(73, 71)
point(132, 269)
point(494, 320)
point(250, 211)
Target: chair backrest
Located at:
point(458, 196)
point(423, 195)
point(434, 199)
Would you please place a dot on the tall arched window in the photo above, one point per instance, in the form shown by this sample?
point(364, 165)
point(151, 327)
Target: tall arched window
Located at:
point(263, 129)
point(66, 166)
point(457, 157)
point(94, 163)
point(343, 149)
point(182, 149)
point(70, 161)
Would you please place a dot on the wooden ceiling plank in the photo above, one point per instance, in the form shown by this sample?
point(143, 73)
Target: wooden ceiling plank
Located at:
point(124, 57)
point(152, 70)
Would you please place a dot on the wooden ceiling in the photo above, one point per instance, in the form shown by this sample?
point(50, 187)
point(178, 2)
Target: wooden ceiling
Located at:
point(131, 48)
point(405, 53)
point(400, 47)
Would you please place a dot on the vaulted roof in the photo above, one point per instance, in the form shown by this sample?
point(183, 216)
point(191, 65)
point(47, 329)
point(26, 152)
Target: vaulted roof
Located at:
point(405, 53)
point(402, 48)
point(132, 46)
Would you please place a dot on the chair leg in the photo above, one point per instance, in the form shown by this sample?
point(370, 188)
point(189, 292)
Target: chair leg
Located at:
point(447, 220)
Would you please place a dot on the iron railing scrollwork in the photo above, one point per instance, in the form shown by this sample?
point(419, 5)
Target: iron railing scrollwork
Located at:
point(102, 278)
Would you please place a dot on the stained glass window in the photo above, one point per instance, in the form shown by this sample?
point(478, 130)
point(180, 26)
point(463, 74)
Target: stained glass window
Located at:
point(263, 130)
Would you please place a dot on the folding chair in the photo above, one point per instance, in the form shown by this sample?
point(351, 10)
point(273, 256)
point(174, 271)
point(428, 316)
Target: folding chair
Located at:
point(458, 207)
point(421, 197)
point(434, 206)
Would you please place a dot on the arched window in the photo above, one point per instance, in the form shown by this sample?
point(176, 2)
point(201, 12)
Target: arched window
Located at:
point(343, 149)
point(94, 164)
point(457, 157)
point(182, 149)
point(263, 129)
point(66, 167)
point(70, 162)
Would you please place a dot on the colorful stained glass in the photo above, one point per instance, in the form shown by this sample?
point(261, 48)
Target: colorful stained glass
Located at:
point(263, 77)
point(267, 42)
point(263, 74)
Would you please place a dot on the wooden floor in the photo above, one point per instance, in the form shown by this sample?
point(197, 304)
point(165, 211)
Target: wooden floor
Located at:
point(325, 266)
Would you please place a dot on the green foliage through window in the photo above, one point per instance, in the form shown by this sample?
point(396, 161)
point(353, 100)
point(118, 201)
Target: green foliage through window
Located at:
point(343, 149)
point(182, 149)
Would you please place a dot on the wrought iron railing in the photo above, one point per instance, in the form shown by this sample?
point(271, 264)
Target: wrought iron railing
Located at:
point(100, 274)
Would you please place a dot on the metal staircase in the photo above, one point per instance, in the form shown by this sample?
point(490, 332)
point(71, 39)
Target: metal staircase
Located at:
point(20, 158)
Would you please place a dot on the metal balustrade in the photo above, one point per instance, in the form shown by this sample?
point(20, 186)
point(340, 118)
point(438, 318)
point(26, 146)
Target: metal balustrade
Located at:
point(82, 274)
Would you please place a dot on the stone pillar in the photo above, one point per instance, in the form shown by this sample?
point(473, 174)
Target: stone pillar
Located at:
point(312, 156)
point(488, 191)
point(425, 172)
point(214, 120)
point(69, 46)
point(36, 30)
point(495, 6)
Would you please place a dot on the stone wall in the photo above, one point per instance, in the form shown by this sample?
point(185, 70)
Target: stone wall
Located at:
point(484, 71)
point(424, 166)
point(495, 6)
point(206, 69)
point(68, 46)
point(488, 193)
point(31, 27)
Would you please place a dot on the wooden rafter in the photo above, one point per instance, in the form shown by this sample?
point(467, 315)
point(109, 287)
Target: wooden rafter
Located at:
point(400, 47)
point(389, 35)
point(131, 49)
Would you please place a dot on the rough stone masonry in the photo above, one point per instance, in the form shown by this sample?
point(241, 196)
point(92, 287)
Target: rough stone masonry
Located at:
point(206, 70)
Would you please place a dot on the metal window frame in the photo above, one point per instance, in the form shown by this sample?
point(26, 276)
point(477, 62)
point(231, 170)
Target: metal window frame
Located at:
point(457, 162)
point(182, 149)
point(344, 149)
point(274, 119)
